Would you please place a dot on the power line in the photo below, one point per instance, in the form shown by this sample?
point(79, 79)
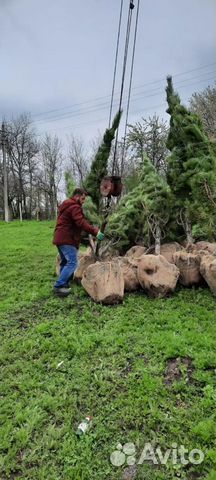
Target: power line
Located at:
point(130, 81)
point(74, 126)
point(127, 40)
point(115, 65)
point(184, 73)
point(181, 81)
point(108, 96)
point(103, 105)
point(179, 88)
point(104, 119)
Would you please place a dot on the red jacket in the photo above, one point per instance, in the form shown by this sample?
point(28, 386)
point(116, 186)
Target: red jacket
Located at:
point(70, 223)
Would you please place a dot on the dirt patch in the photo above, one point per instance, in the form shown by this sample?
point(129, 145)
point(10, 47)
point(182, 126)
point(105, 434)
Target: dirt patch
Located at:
point(129, 473)
point(179, 368)
point(13, 476)
point(127, 368)
point(211, 369)
point(144, 358)
point(181, 404)
point(193, 474)
point(44, 308)
point(31, 312)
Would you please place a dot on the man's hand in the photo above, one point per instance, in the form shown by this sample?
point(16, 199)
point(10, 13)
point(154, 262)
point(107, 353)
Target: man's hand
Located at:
point(100, 235)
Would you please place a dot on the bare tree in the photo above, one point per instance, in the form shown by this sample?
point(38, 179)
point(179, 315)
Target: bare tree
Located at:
point(22, 148)
point(4, 173)
point(50, 176)
point(204, 104)
point(149, 137)
point(78, 161)
point(95, 144)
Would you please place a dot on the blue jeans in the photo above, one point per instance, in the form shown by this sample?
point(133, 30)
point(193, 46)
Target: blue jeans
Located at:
point(68, 264)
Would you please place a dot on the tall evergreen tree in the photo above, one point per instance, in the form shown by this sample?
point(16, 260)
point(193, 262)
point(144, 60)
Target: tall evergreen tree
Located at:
point(190, 169)
point(156, 201)
point(143, 212)
point(99, 165)
point(69, 183)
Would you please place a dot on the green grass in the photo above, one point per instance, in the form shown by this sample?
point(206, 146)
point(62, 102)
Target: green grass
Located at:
point(115, 368)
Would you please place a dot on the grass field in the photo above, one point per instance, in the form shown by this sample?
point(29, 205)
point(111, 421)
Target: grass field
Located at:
point(145, 370)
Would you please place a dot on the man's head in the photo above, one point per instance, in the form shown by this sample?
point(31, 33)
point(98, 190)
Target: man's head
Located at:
point(80, 195)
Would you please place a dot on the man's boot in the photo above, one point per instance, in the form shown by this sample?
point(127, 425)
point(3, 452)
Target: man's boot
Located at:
point(62, 291)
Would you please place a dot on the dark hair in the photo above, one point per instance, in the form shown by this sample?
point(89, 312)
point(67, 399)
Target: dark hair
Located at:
point(79, 191)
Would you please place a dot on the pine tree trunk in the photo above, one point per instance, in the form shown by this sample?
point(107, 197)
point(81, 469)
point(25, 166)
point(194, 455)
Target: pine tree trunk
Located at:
point(157, 240)
point(188, 229)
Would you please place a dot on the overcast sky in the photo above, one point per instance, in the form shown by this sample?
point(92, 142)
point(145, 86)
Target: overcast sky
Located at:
point(57, 59)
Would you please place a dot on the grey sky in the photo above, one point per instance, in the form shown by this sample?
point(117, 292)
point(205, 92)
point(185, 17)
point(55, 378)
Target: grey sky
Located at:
point(59, 53)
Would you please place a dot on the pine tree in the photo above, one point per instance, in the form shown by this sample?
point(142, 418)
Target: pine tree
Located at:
point(89, 208)
point(143, 213)
point(100, 162)
point(157, 201)
point(191, 168)
point(69, 183)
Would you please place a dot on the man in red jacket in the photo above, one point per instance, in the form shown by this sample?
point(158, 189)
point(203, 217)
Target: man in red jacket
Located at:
point(70, 223)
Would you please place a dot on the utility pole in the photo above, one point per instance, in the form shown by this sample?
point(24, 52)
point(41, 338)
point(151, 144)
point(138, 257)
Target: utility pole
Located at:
point(6, 208)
